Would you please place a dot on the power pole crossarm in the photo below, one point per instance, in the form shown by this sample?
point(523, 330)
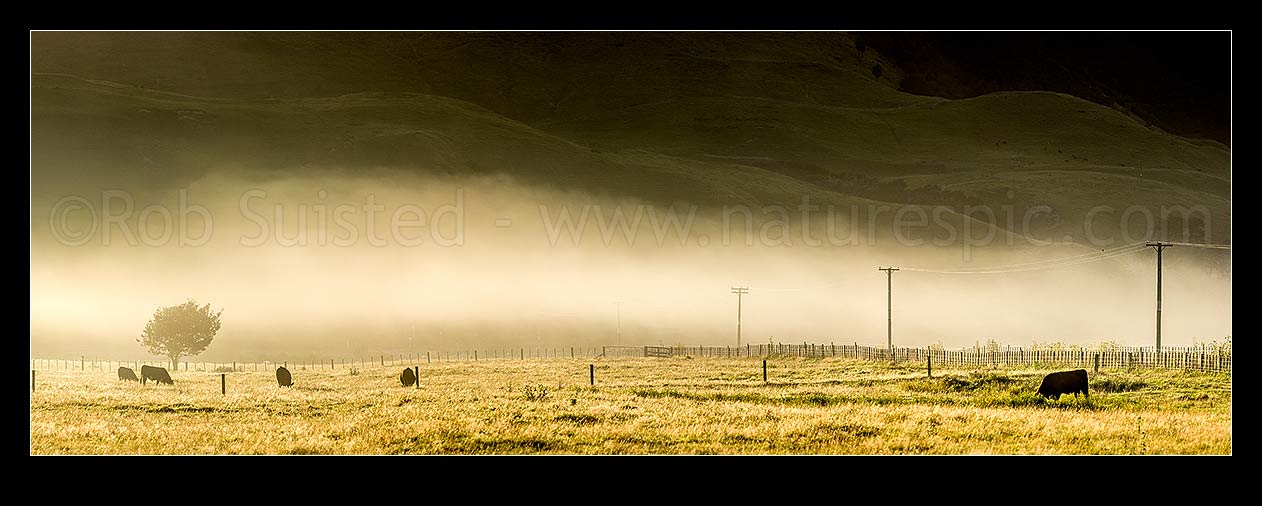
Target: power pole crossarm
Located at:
point(889, 305)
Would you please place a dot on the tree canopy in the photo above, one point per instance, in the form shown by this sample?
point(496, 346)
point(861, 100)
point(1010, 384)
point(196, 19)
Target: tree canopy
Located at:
point(181, 330)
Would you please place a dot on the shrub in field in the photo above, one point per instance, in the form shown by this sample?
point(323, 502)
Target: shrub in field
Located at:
point(1017, 400)
point(990, 346)
point(976, 381)
point(535, 392)
point(925, 386)
point(1048, 346)
point(1108, 346)
point(1021, 398)
point(1117, 385)
point(1213, 346)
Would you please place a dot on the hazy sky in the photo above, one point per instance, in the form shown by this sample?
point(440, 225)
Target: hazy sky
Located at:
point(511, 285)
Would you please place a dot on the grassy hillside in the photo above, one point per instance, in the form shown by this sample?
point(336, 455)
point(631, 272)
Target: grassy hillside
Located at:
point(1008, 130)
point(718, 118)
point(1044, 148)
point(525, 76)
point(95, 135)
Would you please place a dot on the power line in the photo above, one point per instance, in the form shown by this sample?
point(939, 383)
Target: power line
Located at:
point(1042, 263)
point(1001, 269)
point(1037, 268)
point(1136, 246)
point(830, 285)
point(1199, 245)
point(1068, 262)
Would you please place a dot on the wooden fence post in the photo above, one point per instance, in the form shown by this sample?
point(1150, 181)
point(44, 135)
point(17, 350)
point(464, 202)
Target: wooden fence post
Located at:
point(764, 370)
point(223, 384)
point(418, 376)
point(591, 371)
point(929, 365)
point(32, 380)
point(1097, 363)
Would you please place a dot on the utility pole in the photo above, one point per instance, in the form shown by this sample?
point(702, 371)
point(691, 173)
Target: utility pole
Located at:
point(1159, 246)
point(889, 305)
point(739, 291)
point(619, 303)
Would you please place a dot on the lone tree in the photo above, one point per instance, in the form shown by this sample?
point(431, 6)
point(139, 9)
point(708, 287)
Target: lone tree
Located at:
point(179, 331)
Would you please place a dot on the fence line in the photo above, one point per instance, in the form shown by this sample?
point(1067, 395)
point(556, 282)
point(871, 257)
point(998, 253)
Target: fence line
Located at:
point(1185, 358)
point(335, 363)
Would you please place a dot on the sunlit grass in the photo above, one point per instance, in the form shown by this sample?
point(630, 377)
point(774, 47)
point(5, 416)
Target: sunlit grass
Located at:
point(654, 406)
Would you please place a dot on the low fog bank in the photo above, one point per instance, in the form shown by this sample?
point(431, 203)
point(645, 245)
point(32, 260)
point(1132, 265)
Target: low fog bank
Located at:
point(396, 263)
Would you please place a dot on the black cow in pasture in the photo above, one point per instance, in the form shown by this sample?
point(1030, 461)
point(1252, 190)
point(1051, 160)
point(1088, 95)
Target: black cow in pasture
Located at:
point(408, 377)
point(283, 378)
point(157, 374)
point(125, 373)
point(1064, 382)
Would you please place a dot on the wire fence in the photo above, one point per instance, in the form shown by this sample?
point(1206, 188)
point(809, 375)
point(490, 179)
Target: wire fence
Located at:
point(1125, 357)
point(85, 363)
point(1184, 358)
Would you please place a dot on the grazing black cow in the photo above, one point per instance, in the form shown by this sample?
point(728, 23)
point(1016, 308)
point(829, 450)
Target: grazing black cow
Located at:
point(283, 378)
point(408, 377)
point(125, 373)
point(157, 374)
point(1064, 382)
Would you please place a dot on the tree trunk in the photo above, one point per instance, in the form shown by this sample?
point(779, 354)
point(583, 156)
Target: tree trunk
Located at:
point(175, 362)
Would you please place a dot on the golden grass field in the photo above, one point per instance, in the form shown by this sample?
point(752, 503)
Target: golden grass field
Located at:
point(638, 406)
